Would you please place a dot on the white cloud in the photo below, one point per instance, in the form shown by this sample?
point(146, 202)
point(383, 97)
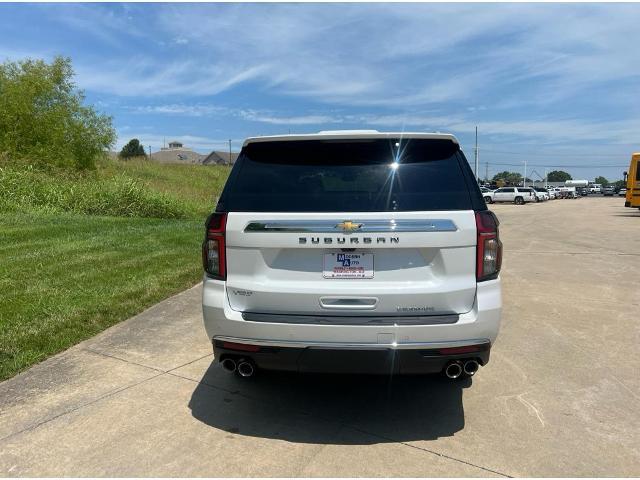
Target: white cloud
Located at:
point(416, 54)
point(397, 56)
point(545, 130)
point(266, 117)
point(140, 77)
point(109, 25)
point(196, 110)
point(535, 72)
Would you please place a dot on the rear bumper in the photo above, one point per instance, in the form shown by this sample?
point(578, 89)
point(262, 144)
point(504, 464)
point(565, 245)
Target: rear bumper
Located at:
point(296, 345)
point(364, 360)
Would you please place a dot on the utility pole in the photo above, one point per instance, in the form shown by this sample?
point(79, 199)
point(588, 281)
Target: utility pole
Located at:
point(486, 172)
point(149, 150)
point(475, 170)
point(229, 151)
point(524, 180)
point(546, 182)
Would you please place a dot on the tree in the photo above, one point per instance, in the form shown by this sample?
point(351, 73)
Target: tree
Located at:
point(602, 181)
point(132, 149)
point(509, 178)
point(43, 118)
point(558, 176)
point(618, 184)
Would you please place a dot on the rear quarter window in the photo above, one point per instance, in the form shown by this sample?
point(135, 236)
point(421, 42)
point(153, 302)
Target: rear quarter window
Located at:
point(350, 175)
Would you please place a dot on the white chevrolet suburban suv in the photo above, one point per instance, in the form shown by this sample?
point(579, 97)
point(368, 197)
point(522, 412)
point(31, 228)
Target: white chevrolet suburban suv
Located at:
point(517, 195)
point(354, 252)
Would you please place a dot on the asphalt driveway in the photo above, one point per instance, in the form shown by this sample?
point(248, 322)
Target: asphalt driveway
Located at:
point(560, 397)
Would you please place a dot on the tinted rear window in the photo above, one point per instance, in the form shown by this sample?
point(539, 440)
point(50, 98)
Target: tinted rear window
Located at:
point(354, 175)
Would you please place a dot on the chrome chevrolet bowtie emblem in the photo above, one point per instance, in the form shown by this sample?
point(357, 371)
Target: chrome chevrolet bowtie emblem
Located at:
point(349, 226)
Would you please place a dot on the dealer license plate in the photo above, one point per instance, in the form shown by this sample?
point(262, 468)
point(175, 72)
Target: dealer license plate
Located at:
point(348, 265)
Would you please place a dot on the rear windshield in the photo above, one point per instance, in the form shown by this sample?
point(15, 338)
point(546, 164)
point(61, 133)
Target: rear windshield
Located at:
point(355, 175)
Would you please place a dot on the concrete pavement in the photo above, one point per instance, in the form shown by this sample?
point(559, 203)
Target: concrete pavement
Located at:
point(560, 397)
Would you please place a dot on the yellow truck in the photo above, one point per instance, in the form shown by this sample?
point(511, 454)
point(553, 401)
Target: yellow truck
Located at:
point(632, 198)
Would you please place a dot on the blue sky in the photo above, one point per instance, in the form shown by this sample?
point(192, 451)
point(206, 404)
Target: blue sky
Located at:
point(556, 85)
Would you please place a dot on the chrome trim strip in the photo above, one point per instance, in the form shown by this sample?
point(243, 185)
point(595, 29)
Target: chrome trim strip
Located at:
point(362, 226)
point(350, 320)
point(352, 345)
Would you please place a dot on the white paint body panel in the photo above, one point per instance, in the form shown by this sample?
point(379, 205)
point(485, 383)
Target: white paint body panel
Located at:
point(480, 324)
point(351, 135)
point(272, 272)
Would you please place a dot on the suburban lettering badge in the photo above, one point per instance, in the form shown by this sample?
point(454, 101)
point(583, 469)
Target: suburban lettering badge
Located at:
point(350, 240)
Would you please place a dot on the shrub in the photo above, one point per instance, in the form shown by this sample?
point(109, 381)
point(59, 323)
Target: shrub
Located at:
point(43, 118)
point(132, 149)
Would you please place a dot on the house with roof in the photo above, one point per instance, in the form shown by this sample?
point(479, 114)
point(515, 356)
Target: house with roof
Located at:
point(220, 158)
point(176, 152)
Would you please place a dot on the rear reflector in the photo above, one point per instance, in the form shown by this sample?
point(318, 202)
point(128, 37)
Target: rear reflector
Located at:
point(458, 350)
point(243, 347)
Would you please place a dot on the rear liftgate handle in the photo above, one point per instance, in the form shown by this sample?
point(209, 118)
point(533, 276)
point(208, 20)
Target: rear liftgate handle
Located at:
point(348, 303)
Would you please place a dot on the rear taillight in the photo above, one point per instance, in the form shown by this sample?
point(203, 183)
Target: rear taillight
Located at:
point(213, 248)
point(489, 248)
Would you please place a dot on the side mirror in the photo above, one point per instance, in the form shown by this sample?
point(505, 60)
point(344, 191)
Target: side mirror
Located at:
point(625, 177)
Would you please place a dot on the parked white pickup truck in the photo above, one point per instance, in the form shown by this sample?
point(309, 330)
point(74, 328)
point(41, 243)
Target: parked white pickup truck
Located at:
point(517, 195)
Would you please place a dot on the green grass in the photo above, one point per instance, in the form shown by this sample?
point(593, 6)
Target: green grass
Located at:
point(67, 273)
point(66, 277)
point(137, 188)
point(197, 186)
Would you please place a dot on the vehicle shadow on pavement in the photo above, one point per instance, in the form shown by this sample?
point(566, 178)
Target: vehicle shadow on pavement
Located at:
point(330, 409)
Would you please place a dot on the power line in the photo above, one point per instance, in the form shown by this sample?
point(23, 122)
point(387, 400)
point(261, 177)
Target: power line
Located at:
point(552, 154)
point(559, 165)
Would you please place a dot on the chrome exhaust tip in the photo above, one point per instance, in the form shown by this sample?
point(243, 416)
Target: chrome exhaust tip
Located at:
point(471, 367)
point(246, 369)
point(453, 370)
point(229, 364)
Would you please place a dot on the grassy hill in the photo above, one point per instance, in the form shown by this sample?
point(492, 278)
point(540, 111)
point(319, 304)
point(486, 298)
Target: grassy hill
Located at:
point(80, 252)
point(197, 186)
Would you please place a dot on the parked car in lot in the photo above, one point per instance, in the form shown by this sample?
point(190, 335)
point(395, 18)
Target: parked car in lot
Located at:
point(542, 194)
point(370, 262)
point(608, 191)
point(517, 195)
point(556, 192)
point(622, 192)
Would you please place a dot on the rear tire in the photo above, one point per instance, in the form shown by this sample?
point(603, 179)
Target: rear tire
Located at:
point(519, 201)
point(488, 200)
